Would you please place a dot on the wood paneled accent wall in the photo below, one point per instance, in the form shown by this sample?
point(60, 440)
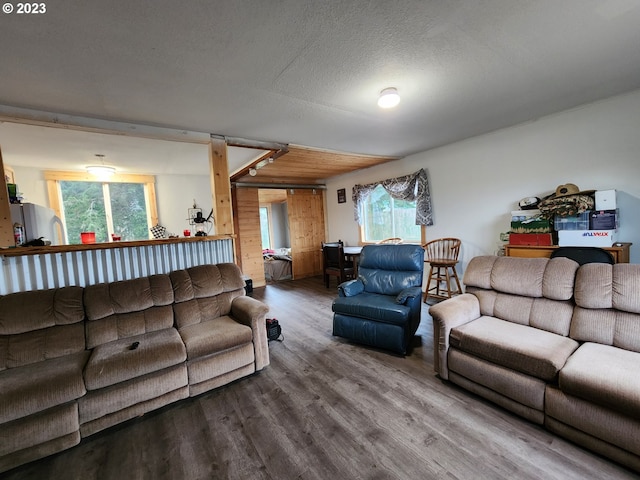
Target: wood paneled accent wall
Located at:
point(220, 186)
point(307, 230)
point(249, 240)
point(6, 227)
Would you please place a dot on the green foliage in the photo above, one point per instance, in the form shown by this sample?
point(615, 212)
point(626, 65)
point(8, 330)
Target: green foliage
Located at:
point(129, 211)
point(84, 210)
point(83, 204)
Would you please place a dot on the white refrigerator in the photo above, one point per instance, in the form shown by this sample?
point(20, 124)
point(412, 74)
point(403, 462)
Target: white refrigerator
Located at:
point(38, 222)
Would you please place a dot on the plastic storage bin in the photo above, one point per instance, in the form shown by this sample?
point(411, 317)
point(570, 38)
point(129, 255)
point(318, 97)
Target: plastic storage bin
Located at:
point(574, 222)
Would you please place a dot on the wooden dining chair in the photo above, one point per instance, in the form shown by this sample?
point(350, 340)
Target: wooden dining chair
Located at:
point(335, 263)
point(442, 256)
point(390, 241)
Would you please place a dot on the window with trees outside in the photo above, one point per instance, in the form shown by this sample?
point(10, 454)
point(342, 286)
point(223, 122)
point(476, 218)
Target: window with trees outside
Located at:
point(265, 230)
point(384, 216)
point(123, 206)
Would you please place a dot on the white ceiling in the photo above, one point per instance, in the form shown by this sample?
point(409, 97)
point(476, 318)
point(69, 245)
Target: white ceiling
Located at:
point(308, 72)
point(72, 150)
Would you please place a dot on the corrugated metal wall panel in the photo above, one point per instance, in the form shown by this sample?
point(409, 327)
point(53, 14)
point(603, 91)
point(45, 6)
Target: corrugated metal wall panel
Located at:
point(88, 267)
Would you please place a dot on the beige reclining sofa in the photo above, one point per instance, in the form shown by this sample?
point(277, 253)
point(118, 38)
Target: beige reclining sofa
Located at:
point(552, 341)
point(74, 361)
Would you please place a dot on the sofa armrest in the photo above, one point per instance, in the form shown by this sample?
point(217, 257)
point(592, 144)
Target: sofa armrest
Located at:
point(253, 313)
point(407, 293)
point(446, 315)
point(350, 288)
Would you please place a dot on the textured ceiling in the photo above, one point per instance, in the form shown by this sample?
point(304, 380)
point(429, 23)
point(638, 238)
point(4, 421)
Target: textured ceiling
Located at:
point(308, 72)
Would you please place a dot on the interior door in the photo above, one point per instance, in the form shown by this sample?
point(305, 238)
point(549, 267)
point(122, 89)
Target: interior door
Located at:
point(307, 231)
point(249, 241)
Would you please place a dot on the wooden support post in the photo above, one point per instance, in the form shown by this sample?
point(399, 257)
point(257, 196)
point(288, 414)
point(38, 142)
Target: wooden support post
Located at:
point(220, 187)
point(6, 225)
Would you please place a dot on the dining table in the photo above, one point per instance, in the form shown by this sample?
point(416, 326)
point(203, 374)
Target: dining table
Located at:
point(353, 253)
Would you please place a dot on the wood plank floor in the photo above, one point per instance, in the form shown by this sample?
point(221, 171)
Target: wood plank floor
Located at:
point(327, 409)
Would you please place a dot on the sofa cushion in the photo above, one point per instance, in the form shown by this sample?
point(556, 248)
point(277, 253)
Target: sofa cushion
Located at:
point(389, 269)
point(608, 305)
point(478, 272)
point(204, 309)
point(26, 311)
point(525, 349)
point(205, 292)
point(206, 281)
point(38, 386)
point(604, 375)
point(214, 336)
point(127, 308)
point(40, 434)
point(136, 392)
point(38, 345)
point(600, 285)
point(125, 325)
point(105, 299)
point(519, 276)
point(207, 368)
point(374, 307)
point(116, 362)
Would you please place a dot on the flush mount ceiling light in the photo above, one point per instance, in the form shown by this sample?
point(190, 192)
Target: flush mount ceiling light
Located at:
point(389, 98)
point(253, 172)
point(101, 171)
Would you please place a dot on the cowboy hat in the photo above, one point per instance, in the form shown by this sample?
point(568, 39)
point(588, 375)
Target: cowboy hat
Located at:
point(570, 189)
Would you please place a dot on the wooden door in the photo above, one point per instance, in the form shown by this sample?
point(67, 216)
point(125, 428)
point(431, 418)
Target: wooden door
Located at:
point(6, 226)
point(249, 240)
point(306, 229)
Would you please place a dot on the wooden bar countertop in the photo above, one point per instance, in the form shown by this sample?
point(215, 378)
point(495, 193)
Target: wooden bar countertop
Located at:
point(18, 251)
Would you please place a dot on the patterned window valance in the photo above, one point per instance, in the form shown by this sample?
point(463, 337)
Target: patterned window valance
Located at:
point(414, 187)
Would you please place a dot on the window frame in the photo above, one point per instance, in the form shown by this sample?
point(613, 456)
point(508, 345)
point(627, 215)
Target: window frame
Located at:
point(54, 177)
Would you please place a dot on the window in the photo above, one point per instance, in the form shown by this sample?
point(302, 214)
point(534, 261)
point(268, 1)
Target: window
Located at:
point(122, 206)
point(395, 207)
point(265, 230)
point(384, 217)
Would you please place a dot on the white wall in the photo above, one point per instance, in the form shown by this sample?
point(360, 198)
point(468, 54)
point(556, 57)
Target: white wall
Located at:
point(175, 194)
point(476, 183)
point(31, 183)
point(280, 225)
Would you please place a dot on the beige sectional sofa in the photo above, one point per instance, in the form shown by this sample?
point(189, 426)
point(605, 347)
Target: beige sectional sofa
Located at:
point(74, 361)
point(552, 341)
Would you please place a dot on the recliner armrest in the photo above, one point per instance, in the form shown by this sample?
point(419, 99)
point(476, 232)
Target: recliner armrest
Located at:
point(407, 293)
point(350, 288)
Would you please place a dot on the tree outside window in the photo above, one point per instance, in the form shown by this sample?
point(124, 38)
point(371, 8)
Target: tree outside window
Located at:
point(104, 208)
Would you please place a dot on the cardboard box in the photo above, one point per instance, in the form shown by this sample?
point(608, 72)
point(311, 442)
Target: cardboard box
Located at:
point(587, 238)
point(606, 200)
point(529, 221)
point(604, 220)
point(532, 239)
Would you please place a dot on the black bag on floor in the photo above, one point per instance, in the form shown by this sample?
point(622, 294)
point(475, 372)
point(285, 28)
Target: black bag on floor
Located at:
point(273, 329)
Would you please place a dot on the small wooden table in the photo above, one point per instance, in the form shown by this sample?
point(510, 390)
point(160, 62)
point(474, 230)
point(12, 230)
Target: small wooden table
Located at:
point(620, 251)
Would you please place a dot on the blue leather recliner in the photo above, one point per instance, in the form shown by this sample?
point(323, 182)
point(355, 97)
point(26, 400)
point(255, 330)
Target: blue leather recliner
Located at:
point(381, 308)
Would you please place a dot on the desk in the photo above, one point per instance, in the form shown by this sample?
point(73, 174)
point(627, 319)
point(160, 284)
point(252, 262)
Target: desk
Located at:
point(620, 251)
point(353, 253)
